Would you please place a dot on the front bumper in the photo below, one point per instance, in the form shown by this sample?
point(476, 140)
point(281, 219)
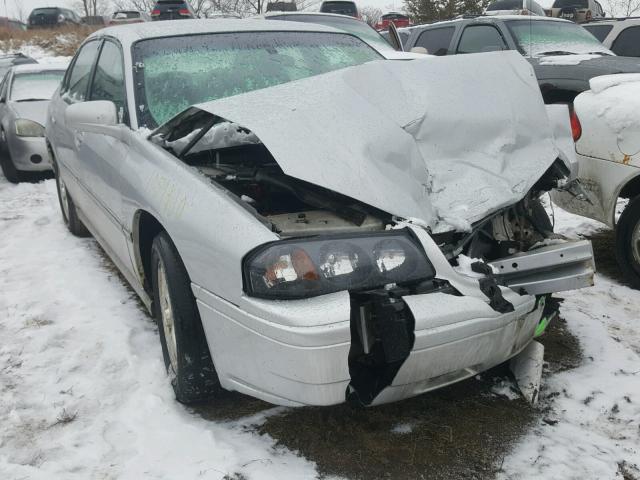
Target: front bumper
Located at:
point(297, 352)
point(29, 154)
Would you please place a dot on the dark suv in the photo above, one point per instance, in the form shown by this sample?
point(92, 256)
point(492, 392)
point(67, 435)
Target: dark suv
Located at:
point(51, 17)
point(564, 55)
point(172, 10)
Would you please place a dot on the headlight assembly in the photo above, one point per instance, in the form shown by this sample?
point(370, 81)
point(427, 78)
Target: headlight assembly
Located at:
point(307, 267)
point(29, 128)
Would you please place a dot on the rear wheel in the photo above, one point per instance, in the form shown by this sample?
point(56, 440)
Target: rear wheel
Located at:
point(628, 242)
point(68, 208)
point(9, 170)
point(184, 345)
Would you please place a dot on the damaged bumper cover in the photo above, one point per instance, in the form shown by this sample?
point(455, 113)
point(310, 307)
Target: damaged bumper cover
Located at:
point(312, 351)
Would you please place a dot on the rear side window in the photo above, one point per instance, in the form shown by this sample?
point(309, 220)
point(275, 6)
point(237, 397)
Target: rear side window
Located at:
point(436, 40)
point(108, 82)
point(78, 80)
point(481, 38)
point(599, 31)
point(628, 43)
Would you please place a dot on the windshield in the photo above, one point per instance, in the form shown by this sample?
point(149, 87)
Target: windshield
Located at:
point(570, 4)
point(506, 5)
point(348, 24)
point(342, 8)
point(125, 15)
point(547, 37)
point(45, 11)
point(35, 85)
point(182, 71)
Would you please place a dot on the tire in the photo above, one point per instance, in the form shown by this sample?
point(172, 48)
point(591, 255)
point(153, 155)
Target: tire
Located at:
point(68, 208)
point(628, 242)
point(184, 345)
point(9, 170)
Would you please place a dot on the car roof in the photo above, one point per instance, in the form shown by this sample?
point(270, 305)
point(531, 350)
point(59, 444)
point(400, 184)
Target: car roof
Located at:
point(316, 14)
point(610, 21)
point(39, 67)
point(490, 18)
point(128, 34)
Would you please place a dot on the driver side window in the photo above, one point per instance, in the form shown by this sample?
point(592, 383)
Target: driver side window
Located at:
point(108, 81)
point(77, 81)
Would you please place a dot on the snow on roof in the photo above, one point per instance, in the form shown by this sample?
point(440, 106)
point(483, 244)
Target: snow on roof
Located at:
point(128, 34)
point(38, 67)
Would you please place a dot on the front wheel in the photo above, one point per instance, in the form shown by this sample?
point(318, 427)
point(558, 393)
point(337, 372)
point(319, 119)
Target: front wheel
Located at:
point(628, 242)
point(68, 208)
point(9, 170)
point(184, 345)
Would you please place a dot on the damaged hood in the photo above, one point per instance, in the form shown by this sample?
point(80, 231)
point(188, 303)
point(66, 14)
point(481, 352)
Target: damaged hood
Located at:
point(441, 141)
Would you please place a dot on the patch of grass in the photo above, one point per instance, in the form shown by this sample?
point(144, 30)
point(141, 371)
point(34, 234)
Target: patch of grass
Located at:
point(62, 41)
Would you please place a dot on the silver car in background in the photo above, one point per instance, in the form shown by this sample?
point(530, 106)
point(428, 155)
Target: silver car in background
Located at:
point(24, 97)
point(308, 222)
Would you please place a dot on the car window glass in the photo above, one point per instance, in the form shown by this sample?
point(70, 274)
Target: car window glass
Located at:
point(81, 72)
point(108, 82)
point(628, 43)
point(436, 40)
point(599, 31)
point(481, 38)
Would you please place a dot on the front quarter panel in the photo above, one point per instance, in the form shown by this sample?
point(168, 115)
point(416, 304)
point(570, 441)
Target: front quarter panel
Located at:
point(210, 229)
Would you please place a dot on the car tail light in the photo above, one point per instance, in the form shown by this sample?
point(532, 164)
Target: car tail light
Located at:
point(576, 128)
point(155, 13)
point(184, 11)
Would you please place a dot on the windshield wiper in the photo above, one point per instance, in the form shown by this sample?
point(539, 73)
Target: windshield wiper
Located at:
point(32, 100)
point(556, 52)
point(604, 54)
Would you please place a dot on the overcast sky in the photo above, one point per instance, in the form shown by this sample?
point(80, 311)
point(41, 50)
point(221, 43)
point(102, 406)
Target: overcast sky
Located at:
point(28, 5)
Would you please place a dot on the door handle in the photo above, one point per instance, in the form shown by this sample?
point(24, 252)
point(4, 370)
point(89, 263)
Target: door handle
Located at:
point(79, 138)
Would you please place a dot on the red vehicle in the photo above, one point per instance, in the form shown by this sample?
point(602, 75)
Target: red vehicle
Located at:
point(399, 19)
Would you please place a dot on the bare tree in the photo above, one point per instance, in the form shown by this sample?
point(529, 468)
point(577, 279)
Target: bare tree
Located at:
point(623, 8)
point(371, 15)
point(140, 5)
point(19, 9)
point(91, 8)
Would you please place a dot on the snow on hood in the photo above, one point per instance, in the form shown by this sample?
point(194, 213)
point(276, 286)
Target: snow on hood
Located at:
point(442, 140)
point(566, 59)
point(35, 111)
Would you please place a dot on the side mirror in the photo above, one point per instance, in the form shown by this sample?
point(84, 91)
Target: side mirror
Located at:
point(394, 38)
point(98, 116)
point(421, 50)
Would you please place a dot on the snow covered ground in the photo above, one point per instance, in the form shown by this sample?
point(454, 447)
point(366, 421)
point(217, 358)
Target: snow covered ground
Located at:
point(83, 390)
point(596, 406)
point(84, 395)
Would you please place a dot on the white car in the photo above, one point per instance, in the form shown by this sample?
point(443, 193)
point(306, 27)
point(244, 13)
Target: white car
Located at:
point(606, 127)
point(620, 35)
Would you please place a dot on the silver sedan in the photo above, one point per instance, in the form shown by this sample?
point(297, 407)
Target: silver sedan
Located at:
point(24, 97)
point(308, 222)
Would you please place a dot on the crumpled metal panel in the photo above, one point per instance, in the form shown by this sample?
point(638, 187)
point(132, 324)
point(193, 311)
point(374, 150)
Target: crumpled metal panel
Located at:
point(443, 140)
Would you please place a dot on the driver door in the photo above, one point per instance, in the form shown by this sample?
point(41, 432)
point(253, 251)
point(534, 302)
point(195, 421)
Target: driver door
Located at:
point(105, 158)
